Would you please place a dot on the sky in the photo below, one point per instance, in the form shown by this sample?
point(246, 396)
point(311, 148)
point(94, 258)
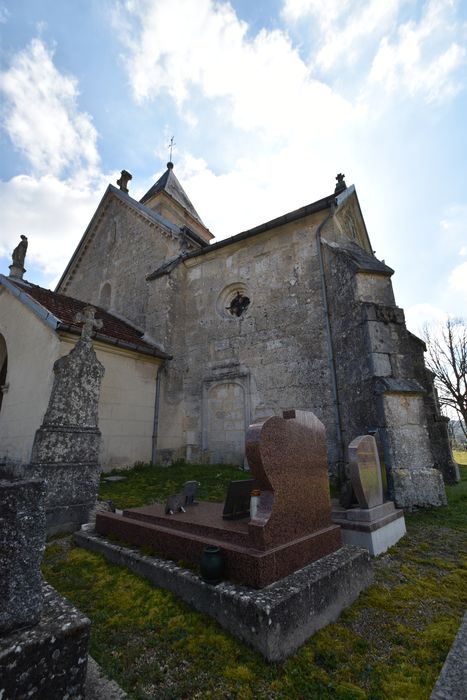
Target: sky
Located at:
point(267, 101)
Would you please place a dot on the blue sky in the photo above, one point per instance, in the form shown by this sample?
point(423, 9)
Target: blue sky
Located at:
point(267, 102)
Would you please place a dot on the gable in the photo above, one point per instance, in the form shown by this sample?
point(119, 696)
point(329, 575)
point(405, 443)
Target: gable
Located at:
point(349, 222)
point(123, 242)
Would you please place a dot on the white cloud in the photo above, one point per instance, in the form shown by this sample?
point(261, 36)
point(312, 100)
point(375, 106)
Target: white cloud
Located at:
point(419, 315)
point(425, 58)
point(42, 118)
point(53, 216)
point(54, 201)
point(454, 222)
point(325, 14)
point(262, 82)
point(458, 284)
point(344, 29)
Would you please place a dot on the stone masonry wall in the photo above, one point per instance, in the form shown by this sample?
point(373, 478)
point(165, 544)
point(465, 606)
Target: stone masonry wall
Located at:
point(378, 375)
point(352, 362)
point(230, 371)
point(124, 249)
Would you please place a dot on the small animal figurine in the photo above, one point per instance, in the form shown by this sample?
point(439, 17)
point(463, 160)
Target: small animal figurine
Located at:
point(189, 492)
point(175, 504)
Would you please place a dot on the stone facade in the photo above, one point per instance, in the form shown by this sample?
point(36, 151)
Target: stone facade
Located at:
point(321, 331)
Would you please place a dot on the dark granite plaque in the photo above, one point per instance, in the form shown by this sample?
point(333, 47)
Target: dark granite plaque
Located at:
point(237, 502)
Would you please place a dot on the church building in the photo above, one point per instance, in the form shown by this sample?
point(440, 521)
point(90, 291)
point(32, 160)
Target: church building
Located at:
point(200, 339)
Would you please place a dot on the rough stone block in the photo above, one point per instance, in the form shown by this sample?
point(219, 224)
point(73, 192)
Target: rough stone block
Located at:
point(418, 488)
point(22, 537)
point(54, 444)
point(381, 364)
point(47, 660)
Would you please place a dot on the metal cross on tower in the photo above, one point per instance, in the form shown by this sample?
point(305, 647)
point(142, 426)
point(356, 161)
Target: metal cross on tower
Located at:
point(171, 145)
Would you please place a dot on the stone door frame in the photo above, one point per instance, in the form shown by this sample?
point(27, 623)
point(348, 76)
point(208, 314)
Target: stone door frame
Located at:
point(241, 377)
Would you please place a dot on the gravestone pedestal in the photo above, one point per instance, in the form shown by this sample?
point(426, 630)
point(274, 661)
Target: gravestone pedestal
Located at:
point(374, 524)
point(375, 529)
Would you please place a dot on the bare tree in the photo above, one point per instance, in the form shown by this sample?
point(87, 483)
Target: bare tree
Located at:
point(447, 358)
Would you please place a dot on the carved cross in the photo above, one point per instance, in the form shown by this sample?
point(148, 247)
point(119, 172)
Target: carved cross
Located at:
point(88, 321)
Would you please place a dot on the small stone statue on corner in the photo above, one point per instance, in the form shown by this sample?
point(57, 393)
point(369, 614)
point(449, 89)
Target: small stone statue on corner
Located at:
point(18, 256)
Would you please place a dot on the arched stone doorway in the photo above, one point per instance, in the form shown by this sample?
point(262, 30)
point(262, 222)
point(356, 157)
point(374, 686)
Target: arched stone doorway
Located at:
point(225, 419)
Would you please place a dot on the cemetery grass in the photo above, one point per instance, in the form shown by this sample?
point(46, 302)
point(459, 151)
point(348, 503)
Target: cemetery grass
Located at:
point(391, 643)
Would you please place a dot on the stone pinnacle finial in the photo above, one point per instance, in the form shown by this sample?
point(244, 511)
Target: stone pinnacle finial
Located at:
point(89, 322)
point(124, 179)
point(17, 266)
point(341, 186)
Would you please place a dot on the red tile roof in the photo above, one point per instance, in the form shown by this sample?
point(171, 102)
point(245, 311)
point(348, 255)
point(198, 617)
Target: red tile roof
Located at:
point(114, 330)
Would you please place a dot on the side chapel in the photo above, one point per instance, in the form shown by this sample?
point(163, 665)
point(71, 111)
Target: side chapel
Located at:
point(200, 338)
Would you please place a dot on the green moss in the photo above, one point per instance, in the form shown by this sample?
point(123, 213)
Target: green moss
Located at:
point(391, 642)
point(147, 483)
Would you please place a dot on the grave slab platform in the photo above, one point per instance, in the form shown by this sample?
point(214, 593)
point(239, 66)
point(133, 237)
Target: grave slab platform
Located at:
point(275, 620)
point(185, 535)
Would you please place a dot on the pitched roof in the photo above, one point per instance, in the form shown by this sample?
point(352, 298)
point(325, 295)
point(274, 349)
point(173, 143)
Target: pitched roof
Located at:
point(168, 183)
point(60, 311)
point(363, 261)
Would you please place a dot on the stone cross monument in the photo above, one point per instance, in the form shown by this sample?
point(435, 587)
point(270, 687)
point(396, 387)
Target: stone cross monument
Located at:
point(66, 447)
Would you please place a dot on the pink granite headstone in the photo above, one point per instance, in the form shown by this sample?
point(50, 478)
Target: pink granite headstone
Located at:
point(365, 471)
point(288, 458)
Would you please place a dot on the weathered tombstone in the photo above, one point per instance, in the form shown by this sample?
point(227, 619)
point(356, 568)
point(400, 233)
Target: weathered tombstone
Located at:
point(375, 524)
point(365, 471)
point(66, 447)
point(237, 501)
point(43, 639)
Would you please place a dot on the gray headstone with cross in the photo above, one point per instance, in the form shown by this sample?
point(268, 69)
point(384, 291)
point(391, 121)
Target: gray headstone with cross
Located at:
point(66, 447)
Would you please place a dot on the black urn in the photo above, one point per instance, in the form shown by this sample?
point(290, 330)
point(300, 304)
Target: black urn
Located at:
point(212, 565)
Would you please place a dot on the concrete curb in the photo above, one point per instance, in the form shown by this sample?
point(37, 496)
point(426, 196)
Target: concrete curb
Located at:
point(99, 687)
point(452, 681)
point(275, 620)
